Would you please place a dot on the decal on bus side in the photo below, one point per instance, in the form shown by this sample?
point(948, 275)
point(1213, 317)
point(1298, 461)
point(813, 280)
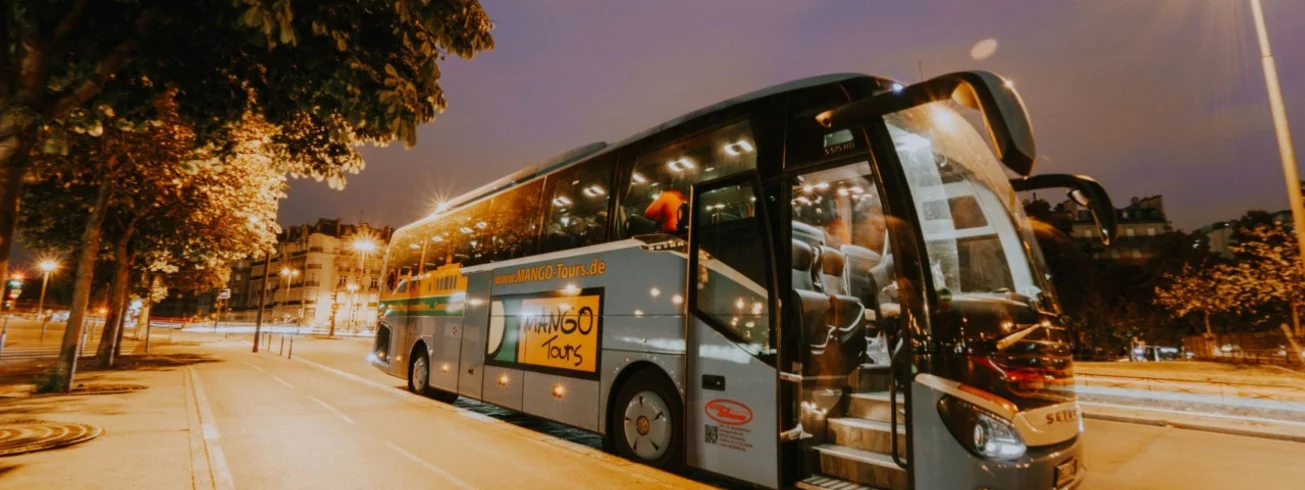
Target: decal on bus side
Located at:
point(548, 272)
point(548, 330)
point(728, 411)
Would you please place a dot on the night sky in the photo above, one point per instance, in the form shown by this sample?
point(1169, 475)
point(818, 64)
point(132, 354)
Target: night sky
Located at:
point(1150, 97)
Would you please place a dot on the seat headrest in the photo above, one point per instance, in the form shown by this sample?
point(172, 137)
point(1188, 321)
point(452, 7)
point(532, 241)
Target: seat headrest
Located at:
point(808, 233)
point(859, 251)
point(831, 261)
point(802, 255)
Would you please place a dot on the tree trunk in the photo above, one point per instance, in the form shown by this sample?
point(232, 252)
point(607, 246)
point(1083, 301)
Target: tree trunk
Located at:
point(1295, 317)
point(1208, 333)
point(117, 297)
point(18, 130)
point(143, 321)
point(66, 368)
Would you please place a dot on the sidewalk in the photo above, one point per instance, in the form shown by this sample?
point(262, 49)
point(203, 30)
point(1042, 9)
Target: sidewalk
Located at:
point(1284, 430)
point(150, 431)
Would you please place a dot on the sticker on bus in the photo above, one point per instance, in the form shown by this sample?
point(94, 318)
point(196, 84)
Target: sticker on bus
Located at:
point(548, 330)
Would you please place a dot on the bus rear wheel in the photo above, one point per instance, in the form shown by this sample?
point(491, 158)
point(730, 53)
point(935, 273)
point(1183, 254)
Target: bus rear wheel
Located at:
point(419, 378)
point(646, 423)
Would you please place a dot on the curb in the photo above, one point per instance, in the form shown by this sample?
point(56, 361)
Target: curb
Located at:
point(1199, 427)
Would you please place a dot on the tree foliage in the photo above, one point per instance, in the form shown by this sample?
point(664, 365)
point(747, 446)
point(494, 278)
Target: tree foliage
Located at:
point(324, 75)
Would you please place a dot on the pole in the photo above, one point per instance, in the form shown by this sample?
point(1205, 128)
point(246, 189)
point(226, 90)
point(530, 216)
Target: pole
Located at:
point(1285, 150)
point(40, 304)
point(262, 300)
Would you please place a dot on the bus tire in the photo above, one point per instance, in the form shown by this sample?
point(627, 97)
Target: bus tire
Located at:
point(419, 378)
point(647, 421)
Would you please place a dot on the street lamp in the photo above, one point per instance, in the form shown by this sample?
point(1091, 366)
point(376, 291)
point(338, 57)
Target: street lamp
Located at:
point(1285, 151)
point(353, 298)
point(363, 245)
point(46, 266)
point(286, 274)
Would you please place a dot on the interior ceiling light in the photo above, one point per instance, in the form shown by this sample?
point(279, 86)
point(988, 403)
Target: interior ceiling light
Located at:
point(681, 164)
point(738, 148)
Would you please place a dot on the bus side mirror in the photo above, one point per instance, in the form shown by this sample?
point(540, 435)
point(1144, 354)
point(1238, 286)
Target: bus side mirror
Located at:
point(1003, 112)
point(1084, 191)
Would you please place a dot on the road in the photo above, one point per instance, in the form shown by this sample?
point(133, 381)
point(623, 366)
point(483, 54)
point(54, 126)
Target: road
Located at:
point(327, 420)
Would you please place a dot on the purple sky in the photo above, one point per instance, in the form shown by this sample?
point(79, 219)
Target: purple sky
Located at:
point(1150, 97)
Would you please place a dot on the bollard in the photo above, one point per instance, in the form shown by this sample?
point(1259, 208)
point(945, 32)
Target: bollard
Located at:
point(47, 320)
point(290, 354)
point(3, 337)
point(282, 351)
point(83, 346)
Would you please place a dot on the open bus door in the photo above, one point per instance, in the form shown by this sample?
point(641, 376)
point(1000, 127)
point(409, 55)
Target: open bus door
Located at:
point(731, 409)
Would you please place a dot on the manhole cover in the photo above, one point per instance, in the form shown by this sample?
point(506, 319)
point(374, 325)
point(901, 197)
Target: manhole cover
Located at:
point(20, 436)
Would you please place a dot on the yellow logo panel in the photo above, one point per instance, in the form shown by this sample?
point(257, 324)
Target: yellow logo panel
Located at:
point(560, 332)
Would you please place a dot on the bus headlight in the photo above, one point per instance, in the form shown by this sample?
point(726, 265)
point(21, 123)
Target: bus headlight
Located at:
point(984, 433)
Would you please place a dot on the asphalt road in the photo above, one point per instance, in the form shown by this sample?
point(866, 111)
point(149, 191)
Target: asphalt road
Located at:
point(327, 420)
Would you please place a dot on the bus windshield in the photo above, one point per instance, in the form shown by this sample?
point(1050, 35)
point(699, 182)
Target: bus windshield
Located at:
point(978, 240)
point(996, 325)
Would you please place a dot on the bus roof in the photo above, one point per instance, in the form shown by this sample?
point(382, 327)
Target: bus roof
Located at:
point(578, 154)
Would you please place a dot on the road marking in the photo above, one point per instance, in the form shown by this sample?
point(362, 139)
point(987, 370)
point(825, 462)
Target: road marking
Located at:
point(1196, 414)
point(217, 460)
point(255, 366)
point(282, 381)
point(331, 409)
point(455, 481)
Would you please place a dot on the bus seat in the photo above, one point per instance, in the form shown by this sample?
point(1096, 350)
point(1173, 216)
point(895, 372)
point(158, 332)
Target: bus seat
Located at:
point(860, 282)
point(803, 261)
point(846, 313)
point(831, 273)
point(637, 224)
point(810, 309)
point(808, 234)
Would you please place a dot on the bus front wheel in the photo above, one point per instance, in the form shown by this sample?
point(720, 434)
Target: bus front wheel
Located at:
point(419, 378)
point(647, 421)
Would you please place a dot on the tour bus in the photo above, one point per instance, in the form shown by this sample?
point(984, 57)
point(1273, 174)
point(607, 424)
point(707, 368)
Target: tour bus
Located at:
point(828, 283)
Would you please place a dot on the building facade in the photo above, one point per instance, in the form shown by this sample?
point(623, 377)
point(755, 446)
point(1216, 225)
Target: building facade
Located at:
point(321, 272)
point(1141, 225)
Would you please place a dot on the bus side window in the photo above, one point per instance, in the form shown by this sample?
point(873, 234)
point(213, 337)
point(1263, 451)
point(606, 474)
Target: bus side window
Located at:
point(575, 206)
point(514, 222)
point(657, 196)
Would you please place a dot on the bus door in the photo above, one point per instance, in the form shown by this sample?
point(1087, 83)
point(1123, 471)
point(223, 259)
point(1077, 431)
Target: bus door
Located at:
point(731, 409)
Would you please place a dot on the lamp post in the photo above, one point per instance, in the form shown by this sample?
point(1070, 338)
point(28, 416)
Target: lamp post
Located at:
point(1285, 151)
point(353, 298)
point(46, 267)
point(15, 288)
point(286, 274)
point(363, 246)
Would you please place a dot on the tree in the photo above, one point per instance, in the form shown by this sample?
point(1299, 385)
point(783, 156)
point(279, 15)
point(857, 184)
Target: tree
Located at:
point(183, 206)
point(1268, 266)
point(327, 75)
point(1205, 290)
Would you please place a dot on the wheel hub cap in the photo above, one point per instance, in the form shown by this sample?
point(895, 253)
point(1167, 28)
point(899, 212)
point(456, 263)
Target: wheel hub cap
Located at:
point(648, 425)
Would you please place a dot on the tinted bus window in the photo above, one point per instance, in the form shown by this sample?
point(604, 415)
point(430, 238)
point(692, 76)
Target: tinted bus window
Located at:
point(469, 235)
point(514, 222)
point(658, 190)
point(575, 203)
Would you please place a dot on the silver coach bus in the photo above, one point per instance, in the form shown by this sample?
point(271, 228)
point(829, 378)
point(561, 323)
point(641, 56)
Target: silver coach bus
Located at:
point(822, 283)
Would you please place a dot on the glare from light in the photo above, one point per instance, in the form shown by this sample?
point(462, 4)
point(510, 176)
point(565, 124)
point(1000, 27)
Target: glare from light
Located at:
point(559, 391)
point(561, 201)
point(502, 380)
point(677, 299)
point(638, 178)
point(898, 88)
point(654, 292)
point(681, 164)
point(594, 191)
point(738, 148)
point(47, 265)
point(366, 245)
